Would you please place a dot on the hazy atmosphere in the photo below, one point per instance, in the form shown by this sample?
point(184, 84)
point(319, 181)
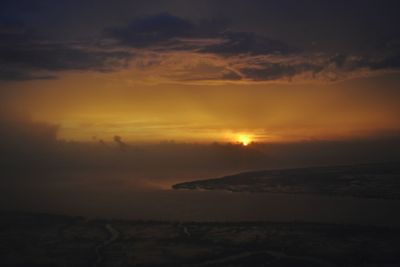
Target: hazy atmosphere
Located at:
point(199, 111)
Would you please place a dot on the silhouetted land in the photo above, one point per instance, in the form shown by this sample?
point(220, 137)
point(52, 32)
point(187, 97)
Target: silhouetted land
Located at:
point(46, 240)
point(368, 180)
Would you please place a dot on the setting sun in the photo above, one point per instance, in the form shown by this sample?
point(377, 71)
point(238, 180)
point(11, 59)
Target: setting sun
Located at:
point(244, 139)
point(200, 132)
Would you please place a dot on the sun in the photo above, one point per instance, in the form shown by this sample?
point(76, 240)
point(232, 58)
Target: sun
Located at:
point(244, 139)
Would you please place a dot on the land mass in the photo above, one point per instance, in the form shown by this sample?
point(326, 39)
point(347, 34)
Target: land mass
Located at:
point(366, 180)
point(40, 240)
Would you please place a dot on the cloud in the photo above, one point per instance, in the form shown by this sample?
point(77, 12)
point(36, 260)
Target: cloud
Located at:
point(167, 32)
point(151, 30)
point(8, 73)
point(271, 71)
point(24, 142)
point(179, 50)
point(168, 48)
point(121, 144)
point(247, 43)
point(27, 55)
point(388, 56)
point(54, 57)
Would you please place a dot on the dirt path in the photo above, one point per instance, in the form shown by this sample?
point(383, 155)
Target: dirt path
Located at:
point(113, 235)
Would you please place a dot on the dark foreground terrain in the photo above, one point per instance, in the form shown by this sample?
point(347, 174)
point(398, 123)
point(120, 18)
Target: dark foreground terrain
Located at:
point(367, 180)
point(46, 240)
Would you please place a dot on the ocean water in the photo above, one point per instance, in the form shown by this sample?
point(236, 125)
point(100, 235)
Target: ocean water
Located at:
point(122, 196)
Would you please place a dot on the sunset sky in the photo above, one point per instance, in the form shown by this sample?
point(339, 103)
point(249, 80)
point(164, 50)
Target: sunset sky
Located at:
point(202, 71)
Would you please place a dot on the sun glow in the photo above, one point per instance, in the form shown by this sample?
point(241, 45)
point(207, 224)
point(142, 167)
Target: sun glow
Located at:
point(244, 139)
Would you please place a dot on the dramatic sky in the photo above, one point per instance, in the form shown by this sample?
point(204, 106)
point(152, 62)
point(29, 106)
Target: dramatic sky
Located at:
point(200, 71)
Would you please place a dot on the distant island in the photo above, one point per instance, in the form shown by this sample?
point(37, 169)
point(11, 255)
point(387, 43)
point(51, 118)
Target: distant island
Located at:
point(367, 180)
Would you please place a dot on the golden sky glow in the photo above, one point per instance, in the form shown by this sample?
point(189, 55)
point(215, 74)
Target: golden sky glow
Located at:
point(104, 105)
point(152, 72)
point(244, 139)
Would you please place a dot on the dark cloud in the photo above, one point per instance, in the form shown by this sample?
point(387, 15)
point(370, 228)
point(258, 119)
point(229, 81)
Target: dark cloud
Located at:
point(252, 57)
point(230, 76)
point(24, 142)
point(58, 57)
point(330, 41)
point(389, 56)
point(247, 43)
point(8, 73)
point(26, 64)
point(121, 144)
point(392, 62)
point(151, 30)
point(161, 29)
point(278, 71)
point(25, 54)
point(169, 33)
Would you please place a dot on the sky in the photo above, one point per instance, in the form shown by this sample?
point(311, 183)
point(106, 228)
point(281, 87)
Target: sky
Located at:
point(103, 99)
point(200, 71)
